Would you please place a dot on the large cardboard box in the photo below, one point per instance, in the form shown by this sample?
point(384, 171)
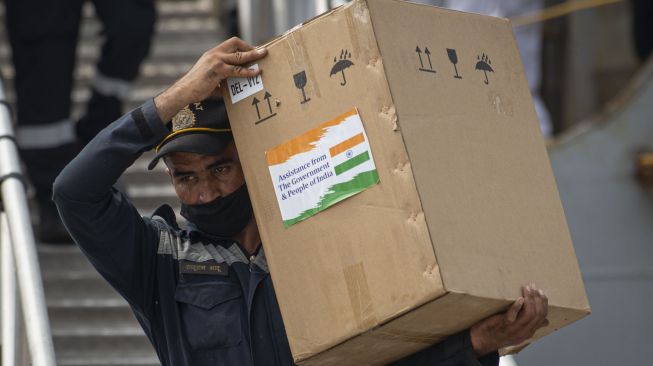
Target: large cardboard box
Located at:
point(463, 208)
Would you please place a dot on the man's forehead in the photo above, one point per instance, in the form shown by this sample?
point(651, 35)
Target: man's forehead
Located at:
point(189, 158)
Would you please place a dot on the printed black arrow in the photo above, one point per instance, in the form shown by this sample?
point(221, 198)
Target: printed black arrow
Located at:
point(267, 97)
point(428, 54)
point(419, 53)
point(421, 61)
point(255, 103)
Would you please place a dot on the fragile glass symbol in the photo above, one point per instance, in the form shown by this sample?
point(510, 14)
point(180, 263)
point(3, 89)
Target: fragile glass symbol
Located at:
point(300, 83)
point(453, 57)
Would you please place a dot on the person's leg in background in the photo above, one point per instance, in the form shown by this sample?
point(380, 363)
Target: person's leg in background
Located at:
point(642, 11)
point(43, 37)
point(128, 28)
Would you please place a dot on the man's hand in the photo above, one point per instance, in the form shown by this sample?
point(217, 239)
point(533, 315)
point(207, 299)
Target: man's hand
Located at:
point(526, 315)
point(204, 78)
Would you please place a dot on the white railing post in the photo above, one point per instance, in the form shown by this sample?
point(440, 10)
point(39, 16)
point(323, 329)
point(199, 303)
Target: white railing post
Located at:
point(8, 294)
point(245, 20)
point(281, 15)
point(30, 284)
point(321, 6)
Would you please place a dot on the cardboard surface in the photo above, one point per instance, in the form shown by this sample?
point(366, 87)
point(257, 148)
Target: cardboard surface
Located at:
point(479, 160)
point(465, 210)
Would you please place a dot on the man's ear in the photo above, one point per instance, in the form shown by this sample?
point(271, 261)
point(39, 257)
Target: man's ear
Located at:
point(168, 170)
point(237, 158)
point(169, 175)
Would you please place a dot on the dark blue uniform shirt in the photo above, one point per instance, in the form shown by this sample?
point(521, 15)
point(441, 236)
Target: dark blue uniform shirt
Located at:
point(227, 317)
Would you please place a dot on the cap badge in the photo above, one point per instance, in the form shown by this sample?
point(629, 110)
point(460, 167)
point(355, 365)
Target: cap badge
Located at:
point(185, 118)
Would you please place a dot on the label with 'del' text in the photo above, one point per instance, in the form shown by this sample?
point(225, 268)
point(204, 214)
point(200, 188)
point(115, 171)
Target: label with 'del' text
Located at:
point(241, 88)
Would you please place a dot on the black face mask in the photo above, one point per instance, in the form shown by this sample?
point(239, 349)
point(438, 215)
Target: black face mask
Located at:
point(223, 217)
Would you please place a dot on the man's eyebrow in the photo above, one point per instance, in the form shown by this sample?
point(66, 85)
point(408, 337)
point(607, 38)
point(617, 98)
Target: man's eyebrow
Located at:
point(215, 164)
point(219, 162)
point(178, 173)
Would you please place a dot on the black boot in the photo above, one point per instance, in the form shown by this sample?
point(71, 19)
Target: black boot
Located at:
point(101, 110)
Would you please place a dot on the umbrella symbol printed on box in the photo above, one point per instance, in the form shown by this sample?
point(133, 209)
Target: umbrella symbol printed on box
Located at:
point(341, 65)
point(483, 64)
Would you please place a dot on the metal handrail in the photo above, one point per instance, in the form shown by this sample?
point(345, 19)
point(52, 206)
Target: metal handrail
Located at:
point(8, 294)
point(261, 20)
point(20, 236)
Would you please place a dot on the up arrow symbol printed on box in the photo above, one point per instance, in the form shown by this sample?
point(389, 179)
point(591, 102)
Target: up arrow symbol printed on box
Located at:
point(267, 97)
point(255, 104)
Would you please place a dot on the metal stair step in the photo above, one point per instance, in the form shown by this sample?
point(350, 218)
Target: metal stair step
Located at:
point(69, 318)
point(190, 47)
point(92, 28)
point(84, 288)
point(114, 330)
point(113, 302)
point(138, 95)
point(58, 258)
point(109, 361)
point(102, 347)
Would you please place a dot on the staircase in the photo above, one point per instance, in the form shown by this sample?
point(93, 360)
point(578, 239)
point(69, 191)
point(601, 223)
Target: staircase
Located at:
point(91, 323)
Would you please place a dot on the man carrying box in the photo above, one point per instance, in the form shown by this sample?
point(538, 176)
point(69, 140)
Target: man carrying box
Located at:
point(204, 295)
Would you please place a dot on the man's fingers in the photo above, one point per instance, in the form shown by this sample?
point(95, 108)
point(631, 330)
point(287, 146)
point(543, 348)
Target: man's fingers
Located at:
point(526, 291)
point(539, 312)
point(514, 310)
point(541, 309)
point(236, 44)
point(540, 306)
point(528, 311)
point(540, 302)
point(231, 45)
point(544, 303)
point(241, 71)
point(545, 323)
point(240, 57)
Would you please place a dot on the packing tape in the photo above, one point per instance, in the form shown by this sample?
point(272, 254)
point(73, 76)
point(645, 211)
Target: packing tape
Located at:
point(363, 309)
point(299, 61)
point(359, 297)
point(361, 34)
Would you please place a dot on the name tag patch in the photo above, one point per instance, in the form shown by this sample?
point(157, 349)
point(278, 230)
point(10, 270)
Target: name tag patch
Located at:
point(205, 268)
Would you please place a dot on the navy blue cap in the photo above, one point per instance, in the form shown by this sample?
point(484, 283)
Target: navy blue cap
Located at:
point(201, 128)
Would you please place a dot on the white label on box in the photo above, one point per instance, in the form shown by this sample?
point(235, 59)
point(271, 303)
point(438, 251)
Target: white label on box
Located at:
point(241, 88)
point(321, 167)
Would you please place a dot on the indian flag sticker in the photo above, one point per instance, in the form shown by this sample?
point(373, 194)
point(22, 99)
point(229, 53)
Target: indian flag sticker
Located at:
point(321, 167)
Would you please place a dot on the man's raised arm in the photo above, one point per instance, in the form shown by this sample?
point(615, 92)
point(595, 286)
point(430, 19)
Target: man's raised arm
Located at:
point(204, 78)
point(118, 241)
